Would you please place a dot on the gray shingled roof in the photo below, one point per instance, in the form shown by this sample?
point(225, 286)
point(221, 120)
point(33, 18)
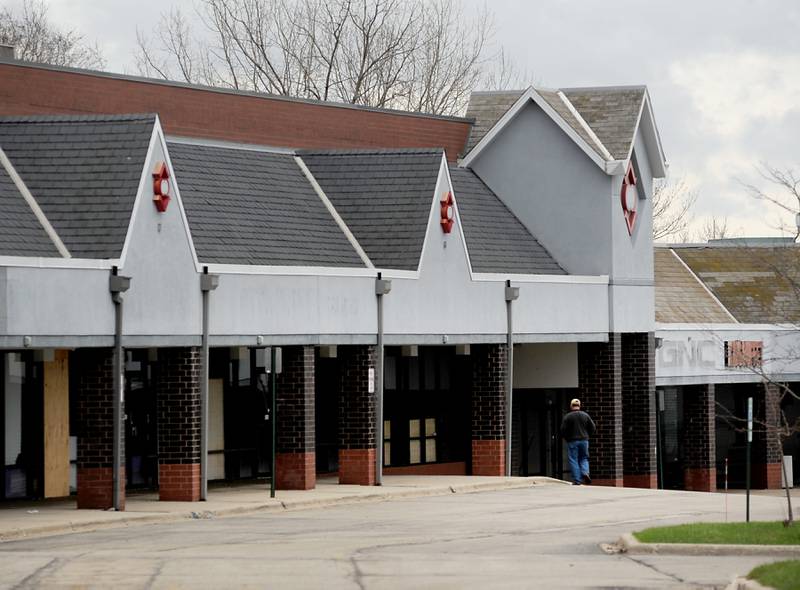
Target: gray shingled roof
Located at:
point(255, 207)
point(756, 284)
point(21, 234)
point(384, 197)
point(84, 172)
point(612, 114)
point(487, 108)
point(497, 241)
point(680, 297)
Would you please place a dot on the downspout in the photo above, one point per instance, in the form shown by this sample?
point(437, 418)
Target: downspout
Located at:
point(207, 284)
point(117, 285)
point(382, 287)
point(512, 294)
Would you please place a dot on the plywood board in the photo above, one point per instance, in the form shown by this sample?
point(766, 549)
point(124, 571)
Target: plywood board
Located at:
point(56, 426)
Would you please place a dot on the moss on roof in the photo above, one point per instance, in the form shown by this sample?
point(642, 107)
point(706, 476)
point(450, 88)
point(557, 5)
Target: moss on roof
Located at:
point(756, 284)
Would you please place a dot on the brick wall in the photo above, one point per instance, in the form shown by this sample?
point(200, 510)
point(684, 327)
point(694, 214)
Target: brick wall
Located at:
point(197, 112)
point(295, 459)
point(179, 425)
point(700, 465)
point(639, 410)
point(489, 370)
point(356, 416)
point(95, 427)
point(600, 391)
point(767, 452)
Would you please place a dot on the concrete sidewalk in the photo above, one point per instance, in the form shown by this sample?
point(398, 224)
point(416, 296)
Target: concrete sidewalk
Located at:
point(53, 517)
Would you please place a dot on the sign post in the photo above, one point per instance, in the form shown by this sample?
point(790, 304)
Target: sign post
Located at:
point(274, 369)
point(749, 440)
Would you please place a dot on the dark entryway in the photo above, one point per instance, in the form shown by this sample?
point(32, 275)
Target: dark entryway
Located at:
point(538, 414)
point(141, 426)
point(21, 419)
point(427, 407)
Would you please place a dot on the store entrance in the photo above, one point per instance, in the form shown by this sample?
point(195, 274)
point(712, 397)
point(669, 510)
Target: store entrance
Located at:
point(141, 427)
point(539, 412)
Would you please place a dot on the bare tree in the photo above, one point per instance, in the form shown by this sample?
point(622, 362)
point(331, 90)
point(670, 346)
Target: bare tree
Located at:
point(672, 207)
point(36, 39)
point(785, 196)
point(421, 55)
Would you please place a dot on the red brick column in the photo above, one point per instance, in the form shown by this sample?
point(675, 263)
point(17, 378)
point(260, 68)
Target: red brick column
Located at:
point(95, 370)
point(700, 471)
point(489, 370)
point(179, 426)
point(639, 410)
point(600, 392)
point(356, 416)
point(295, 459)
point(767, 451)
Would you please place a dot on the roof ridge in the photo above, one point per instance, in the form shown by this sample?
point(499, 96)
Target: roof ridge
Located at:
point(605, 88)
point(367, 151)
point(77, 118)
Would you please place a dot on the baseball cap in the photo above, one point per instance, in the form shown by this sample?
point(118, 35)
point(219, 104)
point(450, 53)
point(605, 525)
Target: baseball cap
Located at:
point(575, 402)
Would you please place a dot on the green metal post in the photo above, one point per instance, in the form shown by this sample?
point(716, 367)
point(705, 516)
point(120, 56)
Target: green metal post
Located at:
point(273, 390)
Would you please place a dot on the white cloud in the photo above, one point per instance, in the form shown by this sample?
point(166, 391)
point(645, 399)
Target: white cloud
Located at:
point(731, 91)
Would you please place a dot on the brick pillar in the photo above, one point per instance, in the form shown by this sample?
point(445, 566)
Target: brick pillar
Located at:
point(95, 370)
point(639, 410)
point(767, 451)
point(699, 434)
point(179, 426)
point(600, 392)
point(356, 416)
point(295, 458)
point(489, 369)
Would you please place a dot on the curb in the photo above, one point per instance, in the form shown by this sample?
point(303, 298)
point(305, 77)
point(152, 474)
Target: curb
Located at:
point(630, 544)
point(745, 584)
point(273, 506)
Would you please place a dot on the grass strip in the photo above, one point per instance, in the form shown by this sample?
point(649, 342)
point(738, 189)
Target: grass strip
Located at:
point(783, 575)
point(724, 533)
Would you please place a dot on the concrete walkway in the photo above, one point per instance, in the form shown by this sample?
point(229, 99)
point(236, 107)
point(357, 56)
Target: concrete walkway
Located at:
point(51, 517)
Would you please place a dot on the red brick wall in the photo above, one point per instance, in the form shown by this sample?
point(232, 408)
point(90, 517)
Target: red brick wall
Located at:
point(95, 424)
point(179, 482)
point(489, 457)
point(295, 427)
point(600, 386)
point(356, 416)
point(196, 112)
point(699, 413)
point(179, 424)
point(357, 466)
point(489, 370)
point(295, 471)
point(639, 410)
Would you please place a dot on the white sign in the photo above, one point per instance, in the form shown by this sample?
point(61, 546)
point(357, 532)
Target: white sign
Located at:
point(371, 380)
point(749, 419)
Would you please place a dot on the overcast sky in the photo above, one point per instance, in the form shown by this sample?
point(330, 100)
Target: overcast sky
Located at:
point(724, 75)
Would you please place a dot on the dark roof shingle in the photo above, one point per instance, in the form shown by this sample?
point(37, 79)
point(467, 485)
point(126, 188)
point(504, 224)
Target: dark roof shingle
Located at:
point(21, 234)
point(496, 240)
point(384, 197)
point(84, 173)
point(255, 207)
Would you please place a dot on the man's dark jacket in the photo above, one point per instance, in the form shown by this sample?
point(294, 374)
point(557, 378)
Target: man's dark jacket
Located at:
point(577, 425)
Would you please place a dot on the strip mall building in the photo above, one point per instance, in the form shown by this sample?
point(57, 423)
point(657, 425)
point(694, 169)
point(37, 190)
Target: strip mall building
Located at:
point(360, 242)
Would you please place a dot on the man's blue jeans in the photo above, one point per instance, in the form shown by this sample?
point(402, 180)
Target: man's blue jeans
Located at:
point(578, 452)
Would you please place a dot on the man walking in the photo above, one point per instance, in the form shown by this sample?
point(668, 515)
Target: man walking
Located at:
point(576, 428)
